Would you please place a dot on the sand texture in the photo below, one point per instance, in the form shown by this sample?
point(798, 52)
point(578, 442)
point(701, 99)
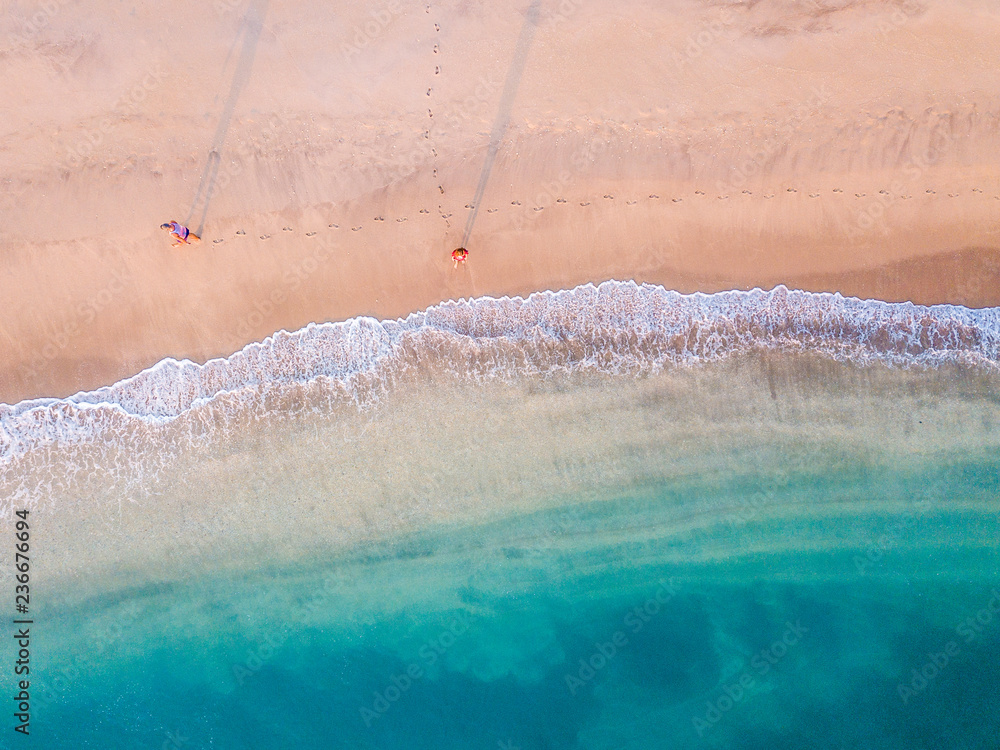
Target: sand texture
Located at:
point(823, 144)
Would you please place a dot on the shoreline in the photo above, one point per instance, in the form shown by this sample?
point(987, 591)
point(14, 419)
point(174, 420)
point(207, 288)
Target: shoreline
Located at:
point(111, 317)
point(569, 328)
point(821, 148)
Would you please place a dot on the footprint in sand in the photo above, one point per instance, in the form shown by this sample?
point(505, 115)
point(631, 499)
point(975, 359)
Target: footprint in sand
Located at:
point(952, 195)
point(265, 236)
point(698, 192)
point(216, 242)
point(355, 229)
point(769, 196)
point(676, 200)
point(310, 234)
point(814, 195)
point(792, 190)
point(883, 192)
point(537, 208)
point(905, 197)
point(747, 192)
point(492, 210)
point(334, 226)
point(629, 203)
point(610, 197)
point(286, 229)
point(515, 203)
point(240, 231)
point(469, 205)
point(722, 197)
point(445, 216)
point(930, 191)
point(837, 190)
point(401, 219)
point(424, 211)
point(560, 200)
point(976, 190)
point(653, 195)
point(585, 203)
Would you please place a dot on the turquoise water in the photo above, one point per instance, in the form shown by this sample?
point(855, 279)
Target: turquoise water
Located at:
point(792, 621)
point(610, 517)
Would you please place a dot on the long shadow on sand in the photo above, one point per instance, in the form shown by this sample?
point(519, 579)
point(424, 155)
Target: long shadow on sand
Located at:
point(253, 23)
point(503, 114)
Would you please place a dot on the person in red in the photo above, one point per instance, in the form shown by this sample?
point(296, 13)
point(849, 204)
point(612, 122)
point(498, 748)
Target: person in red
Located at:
point(181, 233)
point(459, 255)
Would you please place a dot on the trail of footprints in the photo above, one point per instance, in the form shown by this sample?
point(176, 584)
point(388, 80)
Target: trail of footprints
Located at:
point(436, 51)
point(607, 196)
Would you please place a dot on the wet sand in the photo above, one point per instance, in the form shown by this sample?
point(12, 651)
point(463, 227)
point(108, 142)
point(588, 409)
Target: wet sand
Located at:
point(832, 146)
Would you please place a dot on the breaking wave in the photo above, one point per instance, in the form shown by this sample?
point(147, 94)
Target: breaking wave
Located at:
point(617, 327)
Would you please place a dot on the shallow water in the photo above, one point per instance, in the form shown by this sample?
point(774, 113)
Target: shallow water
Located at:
point(610, 624)
point(767, 549)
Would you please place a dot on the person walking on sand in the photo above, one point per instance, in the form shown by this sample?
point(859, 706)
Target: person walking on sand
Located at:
point(183, 235)
point(459, 255)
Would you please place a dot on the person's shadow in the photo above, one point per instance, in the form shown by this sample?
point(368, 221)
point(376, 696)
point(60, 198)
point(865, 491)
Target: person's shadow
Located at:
point(250, 28)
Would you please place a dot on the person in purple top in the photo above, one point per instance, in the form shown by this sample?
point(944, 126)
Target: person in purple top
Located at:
point(181, 233)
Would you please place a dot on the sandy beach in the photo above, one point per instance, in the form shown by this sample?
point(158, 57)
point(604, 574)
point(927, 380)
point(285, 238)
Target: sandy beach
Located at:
point(827, 145)
point(715, 478)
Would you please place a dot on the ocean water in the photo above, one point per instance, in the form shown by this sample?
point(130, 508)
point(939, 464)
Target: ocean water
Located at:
point(611, 517)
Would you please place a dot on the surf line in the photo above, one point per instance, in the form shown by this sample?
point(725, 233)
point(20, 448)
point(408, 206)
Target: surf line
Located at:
point(503, 113)
point(250, 29)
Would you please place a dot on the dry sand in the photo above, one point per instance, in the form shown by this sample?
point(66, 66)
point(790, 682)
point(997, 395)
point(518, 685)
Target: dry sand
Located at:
point(824, 144)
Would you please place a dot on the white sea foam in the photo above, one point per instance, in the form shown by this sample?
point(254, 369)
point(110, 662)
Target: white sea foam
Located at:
point(617, 327)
